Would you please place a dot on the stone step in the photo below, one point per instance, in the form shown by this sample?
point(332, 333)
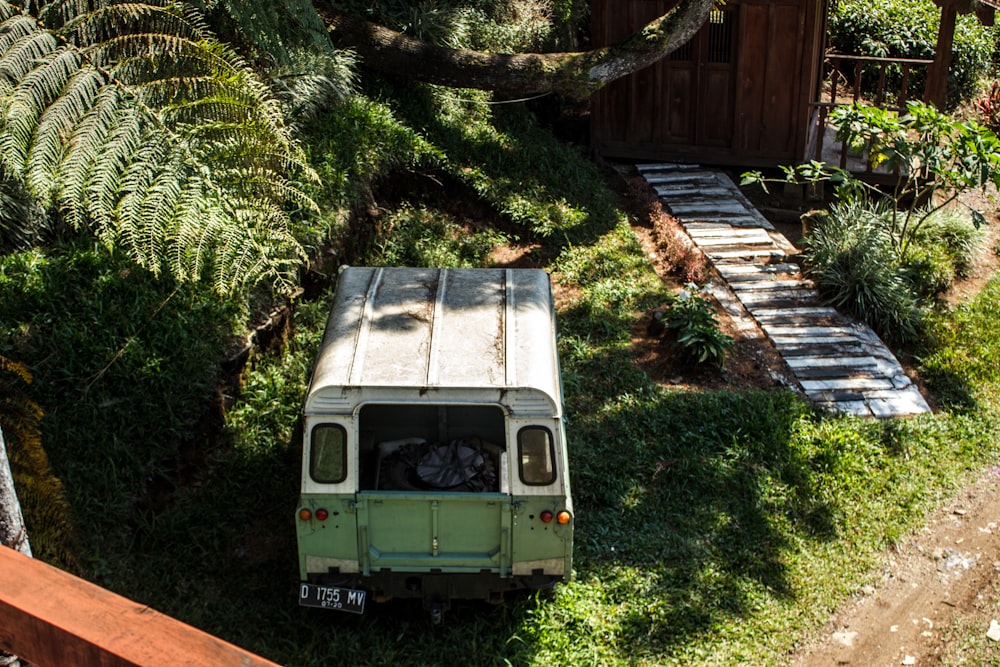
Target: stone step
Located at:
point(792, 350)
point(778, 315)
point(691, 209)
point(779, 298)
point(805, 362)
point(741, 221)
point(667, 188)
point(846, 384)
point(836, 373)
point(735, 240)
point(763, 285)
point(667, 167)
point(791, 330)
point(731, 271)
point(722, 230)
point(747, 253)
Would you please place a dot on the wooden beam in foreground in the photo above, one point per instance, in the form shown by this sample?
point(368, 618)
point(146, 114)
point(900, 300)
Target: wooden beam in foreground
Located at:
point(51, 618)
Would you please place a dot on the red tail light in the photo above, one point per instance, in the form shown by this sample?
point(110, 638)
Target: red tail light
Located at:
point(546, 516)
point(322, 514)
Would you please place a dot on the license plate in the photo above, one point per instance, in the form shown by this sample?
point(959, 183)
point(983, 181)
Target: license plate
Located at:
point(332, 597)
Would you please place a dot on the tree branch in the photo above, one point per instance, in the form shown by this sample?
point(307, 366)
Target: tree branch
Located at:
point(574, 74)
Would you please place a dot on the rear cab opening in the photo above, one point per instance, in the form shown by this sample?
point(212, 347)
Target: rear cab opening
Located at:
point(434, 454)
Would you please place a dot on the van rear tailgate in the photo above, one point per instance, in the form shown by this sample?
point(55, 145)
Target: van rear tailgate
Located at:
point(424, 532)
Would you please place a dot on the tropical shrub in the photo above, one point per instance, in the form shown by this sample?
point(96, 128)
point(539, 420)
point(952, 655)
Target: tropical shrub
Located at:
point(937, 159)
point(691, 323)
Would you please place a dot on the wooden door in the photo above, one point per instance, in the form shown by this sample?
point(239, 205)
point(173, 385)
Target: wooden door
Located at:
point(698, 79)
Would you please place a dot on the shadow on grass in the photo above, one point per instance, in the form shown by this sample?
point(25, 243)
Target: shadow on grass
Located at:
point(688, 504)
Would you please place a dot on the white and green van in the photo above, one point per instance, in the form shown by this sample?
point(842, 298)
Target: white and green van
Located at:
point(434, 455)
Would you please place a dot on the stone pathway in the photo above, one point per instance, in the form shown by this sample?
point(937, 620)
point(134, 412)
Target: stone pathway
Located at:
point(840, 364)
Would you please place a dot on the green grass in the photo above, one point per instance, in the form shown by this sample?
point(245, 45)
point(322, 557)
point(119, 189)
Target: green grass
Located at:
point(713, 528)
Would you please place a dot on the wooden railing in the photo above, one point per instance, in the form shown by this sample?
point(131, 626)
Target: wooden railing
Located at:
point(843, 81)
point(51, 618)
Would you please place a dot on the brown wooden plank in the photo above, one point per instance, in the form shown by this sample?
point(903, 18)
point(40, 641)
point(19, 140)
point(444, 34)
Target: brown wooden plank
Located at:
point(49, 617)
point(750, 89)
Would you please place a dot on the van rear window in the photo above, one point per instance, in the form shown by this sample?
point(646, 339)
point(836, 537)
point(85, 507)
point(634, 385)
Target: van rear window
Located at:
point(535, 456)
point(328, 454)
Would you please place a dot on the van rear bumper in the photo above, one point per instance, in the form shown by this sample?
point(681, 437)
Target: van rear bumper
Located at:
point(438, 589)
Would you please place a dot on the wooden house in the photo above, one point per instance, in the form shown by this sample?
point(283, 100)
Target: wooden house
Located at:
point(746, 90)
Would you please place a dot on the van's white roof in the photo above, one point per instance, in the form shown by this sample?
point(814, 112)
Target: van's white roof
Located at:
point(472, 329)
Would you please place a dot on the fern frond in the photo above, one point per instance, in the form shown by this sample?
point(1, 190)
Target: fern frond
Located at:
point(314, 82)
point(7, 10)
point(84, 149)
point(161, 48)
point(261, 225)
point(55, 127)
point(27, 45)
point(13, 30)
point(147, 212)
point(108, 23)
point(139, 126)
point(29, 98)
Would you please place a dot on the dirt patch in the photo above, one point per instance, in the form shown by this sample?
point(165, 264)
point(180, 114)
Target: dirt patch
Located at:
point(751, 363)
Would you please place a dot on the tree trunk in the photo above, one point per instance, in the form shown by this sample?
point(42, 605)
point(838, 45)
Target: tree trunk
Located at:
point(12, 531)
point(573, 74)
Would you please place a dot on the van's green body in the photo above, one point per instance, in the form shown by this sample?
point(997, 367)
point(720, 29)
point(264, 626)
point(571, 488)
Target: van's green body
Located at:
point(464, 360)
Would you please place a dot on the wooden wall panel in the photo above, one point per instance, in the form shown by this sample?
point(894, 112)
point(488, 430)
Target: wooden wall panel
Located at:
point(739, 100)
point(754, 29)
point(781, 83)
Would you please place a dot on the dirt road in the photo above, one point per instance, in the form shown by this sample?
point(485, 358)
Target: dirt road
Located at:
point(946, 571)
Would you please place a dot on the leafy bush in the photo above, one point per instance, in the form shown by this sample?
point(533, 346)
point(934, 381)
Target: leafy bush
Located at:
point(955, 234)
point(691, 318)
point(908, 29)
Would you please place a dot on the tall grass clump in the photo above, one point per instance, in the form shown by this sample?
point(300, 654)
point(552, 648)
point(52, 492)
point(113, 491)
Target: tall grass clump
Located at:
point(943, 248)
point(853, 254)
point(850, 255)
